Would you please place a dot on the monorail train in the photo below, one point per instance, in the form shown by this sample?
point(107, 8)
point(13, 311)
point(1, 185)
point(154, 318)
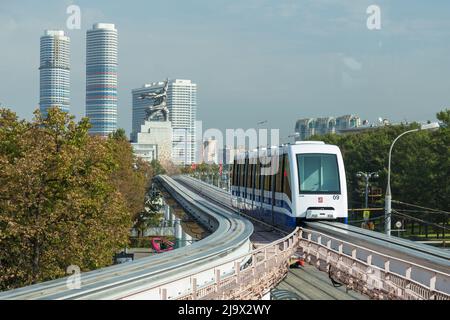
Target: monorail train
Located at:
point(285, 185)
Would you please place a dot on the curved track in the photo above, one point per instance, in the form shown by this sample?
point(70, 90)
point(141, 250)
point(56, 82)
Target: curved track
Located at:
point(223, 198)
point(115, 282)
point(418, 253)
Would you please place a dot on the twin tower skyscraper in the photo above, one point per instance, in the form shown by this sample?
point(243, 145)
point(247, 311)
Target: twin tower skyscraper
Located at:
point(101, 75)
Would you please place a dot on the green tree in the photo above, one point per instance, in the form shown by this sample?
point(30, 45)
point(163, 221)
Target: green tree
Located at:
point(131, 175)
point(157, 168)
point(60, 201)
point(151, 215)
point(420, 163)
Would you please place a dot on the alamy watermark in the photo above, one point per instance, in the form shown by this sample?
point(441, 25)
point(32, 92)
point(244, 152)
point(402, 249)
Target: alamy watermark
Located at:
point(374, 18)
point(73, 282)
point(74, 19)
point(216, 146)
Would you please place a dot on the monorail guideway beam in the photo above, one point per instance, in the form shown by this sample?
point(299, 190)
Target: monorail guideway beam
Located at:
point(363, 268)
point(370, 272)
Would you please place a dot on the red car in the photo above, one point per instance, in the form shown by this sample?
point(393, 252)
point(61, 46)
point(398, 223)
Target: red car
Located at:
point(162, 245)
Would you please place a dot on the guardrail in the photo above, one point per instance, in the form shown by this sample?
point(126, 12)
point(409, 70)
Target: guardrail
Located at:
point(371, 272)
point(265, 267)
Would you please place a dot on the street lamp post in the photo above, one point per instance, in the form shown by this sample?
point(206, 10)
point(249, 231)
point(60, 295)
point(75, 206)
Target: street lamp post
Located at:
point(261, 122)
point(294, 135)
point(388, 197)
point(367, 176)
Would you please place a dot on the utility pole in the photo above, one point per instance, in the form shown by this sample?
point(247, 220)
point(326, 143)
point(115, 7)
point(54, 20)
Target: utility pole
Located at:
point(367, 176)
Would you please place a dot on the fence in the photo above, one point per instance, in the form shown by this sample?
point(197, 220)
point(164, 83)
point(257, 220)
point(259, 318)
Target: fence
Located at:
point(253, 275)
point(370, 272)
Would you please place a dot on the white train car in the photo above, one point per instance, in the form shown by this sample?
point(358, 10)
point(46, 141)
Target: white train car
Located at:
point(287, 184)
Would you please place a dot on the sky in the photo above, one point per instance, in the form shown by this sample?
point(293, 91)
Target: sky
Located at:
point(253, 60)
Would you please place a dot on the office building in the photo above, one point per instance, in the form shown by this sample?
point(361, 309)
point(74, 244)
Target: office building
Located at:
point(101, 78)
point(182, 105)
point(308, 127)
point(54, 71)
point(154, 141)
point(210, 152)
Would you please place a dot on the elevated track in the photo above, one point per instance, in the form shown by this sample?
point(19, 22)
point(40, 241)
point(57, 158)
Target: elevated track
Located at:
point(371, 262)
point(138, 279)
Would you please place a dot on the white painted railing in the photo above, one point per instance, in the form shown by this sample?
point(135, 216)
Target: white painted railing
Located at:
point(373, 273)
point(263, 269)
point(252, 275)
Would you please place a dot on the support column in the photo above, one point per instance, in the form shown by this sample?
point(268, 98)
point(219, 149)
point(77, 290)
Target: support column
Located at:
point(178, 233)
point(166, 213)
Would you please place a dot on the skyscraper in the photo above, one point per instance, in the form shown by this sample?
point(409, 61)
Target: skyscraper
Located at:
point(101, 78)
point(182, 102)
point(54, 71)
point(182, 105)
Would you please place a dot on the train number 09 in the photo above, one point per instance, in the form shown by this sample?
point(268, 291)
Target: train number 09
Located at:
point(336, 197)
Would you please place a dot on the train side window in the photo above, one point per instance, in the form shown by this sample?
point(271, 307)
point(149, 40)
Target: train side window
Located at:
point(238, 174)
point(269, 183)
point(257, 175)
point(241, 174)
point(267, 178)
point(233, 173)
point(287, 177)
point(250, 181)
point(254, 174)
point(279, 174)
point(246, 173)
point(241, 178)
point(249, 173)
point(244, 164)
point(262, 177)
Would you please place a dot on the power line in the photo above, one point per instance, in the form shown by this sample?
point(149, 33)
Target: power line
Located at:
point(370, 219)
point(414, 205)
point(420, 211)
point(419, 220)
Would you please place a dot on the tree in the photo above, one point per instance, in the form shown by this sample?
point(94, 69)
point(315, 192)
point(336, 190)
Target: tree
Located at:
point(157, 168)
point(131, 175)
point(150, 216)
point(60, 201)
point(420, 162)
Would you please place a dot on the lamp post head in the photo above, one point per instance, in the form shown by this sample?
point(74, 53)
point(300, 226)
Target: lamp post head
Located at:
point(262, 122)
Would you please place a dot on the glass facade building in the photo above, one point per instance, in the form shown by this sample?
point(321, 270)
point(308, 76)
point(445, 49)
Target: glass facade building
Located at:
point(308, 127)
point(101, 78)
point(182, 105)
point(54, 71)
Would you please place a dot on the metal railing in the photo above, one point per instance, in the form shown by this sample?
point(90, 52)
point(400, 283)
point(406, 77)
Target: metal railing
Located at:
point(361, 269)
point(371, 272)
point(253, 275)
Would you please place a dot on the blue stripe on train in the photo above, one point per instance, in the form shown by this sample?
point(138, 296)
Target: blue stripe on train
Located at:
point(278, 219)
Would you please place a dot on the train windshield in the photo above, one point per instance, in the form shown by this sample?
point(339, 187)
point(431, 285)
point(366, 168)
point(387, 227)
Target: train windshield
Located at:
point(318, 173)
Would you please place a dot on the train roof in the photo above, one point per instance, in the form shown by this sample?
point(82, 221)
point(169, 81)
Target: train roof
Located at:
point(299, 146)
